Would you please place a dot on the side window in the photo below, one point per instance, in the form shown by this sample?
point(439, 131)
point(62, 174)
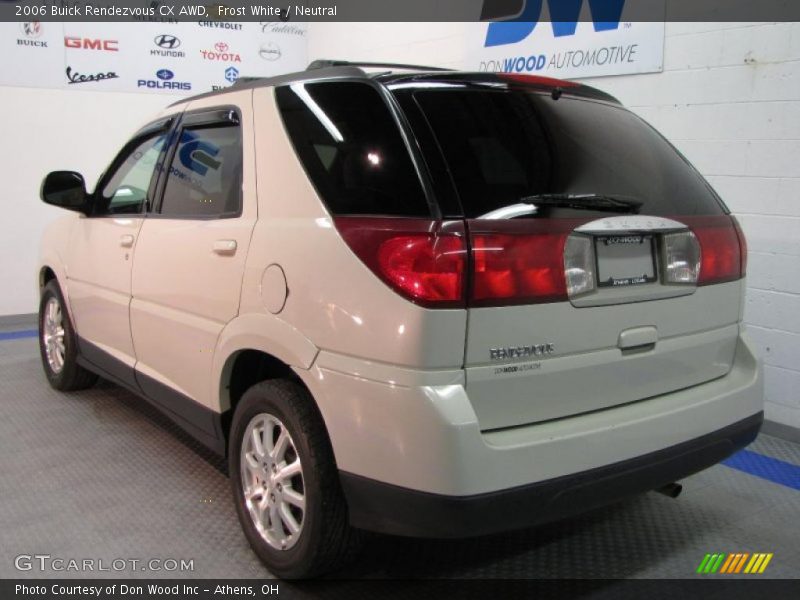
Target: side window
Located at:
point(205, 176)
point(126, 191)
point(351, 148)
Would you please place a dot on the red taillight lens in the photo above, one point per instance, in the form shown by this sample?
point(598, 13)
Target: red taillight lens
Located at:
point(537, 80)
point(424, 266)
point(422, 260)
point(518, 269)
point(518, 261)
point(720, 250)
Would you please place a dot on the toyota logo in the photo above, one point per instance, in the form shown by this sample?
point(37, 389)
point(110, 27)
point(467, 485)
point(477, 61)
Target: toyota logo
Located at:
point(221, 47)
point(167, 41)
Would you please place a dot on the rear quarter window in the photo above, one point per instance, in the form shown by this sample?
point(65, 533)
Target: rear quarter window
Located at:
point(351, 147)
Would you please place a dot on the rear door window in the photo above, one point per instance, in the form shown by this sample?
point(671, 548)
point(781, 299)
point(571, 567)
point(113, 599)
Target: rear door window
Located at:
point(205, 177)
point(352, 149)
point(504, 148)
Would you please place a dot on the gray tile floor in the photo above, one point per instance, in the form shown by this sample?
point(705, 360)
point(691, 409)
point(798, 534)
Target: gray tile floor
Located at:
point(99, 475)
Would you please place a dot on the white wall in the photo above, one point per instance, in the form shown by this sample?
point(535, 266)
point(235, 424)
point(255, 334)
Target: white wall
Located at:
point(729, 98)
point(45, 130)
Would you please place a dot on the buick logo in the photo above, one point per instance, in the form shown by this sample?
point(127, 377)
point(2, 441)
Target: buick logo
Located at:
point(165, 74)
point(167, 41)
point(221, 47)
point(32, 29)
point(270, 51)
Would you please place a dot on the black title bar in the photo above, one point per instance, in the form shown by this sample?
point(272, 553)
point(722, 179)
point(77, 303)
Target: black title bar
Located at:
point(394, 10)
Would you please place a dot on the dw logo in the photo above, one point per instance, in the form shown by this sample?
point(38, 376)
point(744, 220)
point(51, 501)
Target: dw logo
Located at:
point(563, 14)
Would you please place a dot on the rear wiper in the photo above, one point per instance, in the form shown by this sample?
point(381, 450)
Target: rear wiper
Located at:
point(585, 202)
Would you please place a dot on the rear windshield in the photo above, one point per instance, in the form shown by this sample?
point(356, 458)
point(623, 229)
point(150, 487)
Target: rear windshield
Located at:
point(505, 148)
point(352, 149)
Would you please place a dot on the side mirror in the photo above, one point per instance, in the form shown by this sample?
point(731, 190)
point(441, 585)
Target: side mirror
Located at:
point(66, 189)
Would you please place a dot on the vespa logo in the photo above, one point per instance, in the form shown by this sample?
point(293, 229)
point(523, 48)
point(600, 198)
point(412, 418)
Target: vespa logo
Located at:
point(564, 15)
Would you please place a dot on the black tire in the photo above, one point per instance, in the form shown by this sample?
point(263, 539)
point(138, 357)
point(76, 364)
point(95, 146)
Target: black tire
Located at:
point(326, 540)
point(71, 376)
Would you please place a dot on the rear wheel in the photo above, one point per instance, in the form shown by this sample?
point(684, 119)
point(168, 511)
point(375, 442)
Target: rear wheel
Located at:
point(58, 344)
point(285, 483)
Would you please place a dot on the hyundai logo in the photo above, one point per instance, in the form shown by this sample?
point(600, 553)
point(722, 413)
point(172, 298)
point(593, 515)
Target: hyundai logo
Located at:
point(167, 41)
point(231, 74)
point(165, 74)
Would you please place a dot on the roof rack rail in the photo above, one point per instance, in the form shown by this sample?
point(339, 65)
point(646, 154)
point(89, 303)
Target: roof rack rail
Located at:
point(322, 64)
point(242, 81)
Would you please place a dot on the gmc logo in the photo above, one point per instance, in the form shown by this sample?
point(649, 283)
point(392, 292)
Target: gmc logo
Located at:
point(564, 16)
point(90, 44)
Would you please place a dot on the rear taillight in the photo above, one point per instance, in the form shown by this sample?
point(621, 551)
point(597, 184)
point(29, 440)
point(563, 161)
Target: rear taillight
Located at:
point(523, 261)
point(519, 261)
point(721, 256)
point(422, 260)
point(680, 255)
point(517, 269)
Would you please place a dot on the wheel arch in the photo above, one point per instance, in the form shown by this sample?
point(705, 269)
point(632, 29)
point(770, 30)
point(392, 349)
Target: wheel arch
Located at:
point(254, 348)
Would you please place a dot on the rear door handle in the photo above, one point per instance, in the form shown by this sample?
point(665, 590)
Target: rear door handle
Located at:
point(126, 241)
point(638, 337)
point(225, 247)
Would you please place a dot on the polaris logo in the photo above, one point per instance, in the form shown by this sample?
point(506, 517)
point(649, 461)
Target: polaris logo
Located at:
point(564, 15)
point(164, 82)
point(521, 351)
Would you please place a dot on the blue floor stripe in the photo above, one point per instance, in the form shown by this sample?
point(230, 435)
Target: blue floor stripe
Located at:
point(765, 467)
point(18, 335)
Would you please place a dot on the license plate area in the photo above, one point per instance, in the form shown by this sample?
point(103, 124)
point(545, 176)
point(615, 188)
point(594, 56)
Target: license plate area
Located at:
point(625, 260)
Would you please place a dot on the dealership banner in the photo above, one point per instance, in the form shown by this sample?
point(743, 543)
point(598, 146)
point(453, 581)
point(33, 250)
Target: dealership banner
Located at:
point(569, 40)
point(163, 57)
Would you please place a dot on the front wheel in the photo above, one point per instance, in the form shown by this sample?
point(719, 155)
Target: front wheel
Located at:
point(58, 343)
point(285, 483)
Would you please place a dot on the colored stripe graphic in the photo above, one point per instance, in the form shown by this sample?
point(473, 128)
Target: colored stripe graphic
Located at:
point(765, 467)
point(728, 563)
point(18, 335)
point(764, 564)
point(734, 563)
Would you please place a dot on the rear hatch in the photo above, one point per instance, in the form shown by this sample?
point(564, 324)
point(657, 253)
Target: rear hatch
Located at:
point(602, 269)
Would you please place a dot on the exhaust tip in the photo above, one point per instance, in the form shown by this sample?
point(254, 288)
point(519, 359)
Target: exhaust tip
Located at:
point(673, 490)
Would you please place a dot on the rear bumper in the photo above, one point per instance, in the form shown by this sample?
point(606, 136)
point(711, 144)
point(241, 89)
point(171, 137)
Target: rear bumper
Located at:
point(386, 508)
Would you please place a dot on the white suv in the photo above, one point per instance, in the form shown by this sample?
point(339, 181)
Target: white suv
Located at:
point(411, 301)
